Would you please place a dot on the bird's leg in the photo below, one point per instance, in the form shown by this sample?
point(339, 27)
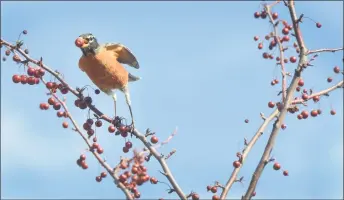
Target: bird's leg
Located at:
point(127, 98)
point(114, 100)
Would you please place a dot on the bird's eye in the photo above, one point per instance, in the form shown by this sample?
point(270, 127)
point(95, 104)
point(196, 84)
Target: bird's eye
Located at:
point(90, 38)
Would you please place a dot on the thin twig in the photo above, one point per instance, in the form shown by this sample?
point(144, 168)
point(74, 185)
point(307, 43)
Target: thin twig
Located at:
point(245, 153)
point(280, 46)
point(323, 92)
point(324, 50)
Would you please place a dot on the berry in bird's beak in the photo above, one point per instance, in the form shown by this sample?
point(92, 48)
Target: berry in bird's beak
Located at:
point(79, 42)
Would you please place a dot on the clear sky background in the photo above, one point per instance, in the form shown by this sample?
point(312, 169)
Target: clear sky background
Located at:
point(201, 71)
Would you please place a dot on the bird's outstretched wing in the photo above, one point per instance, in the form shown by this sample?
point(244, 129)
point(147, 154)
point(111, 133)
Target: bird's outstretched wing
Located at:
point(124, 55)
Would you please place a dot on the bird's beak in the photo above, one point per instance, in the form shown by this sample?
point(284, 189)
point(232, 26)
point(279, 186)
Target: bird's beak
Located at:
point(81, 42)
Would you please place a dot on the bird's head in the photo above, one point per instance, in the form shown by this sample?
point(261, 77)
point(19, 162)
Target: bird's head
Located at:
point(87, 43)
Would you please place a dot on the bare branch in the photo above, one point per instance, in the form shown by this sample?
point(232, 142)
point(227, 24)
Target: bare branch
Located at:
point(245, 153)
point(324, 50)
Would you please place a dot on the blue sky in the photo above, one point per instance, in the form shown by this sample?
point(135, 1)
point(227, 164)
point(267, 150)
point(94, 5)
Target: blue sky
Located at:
point(201, 71)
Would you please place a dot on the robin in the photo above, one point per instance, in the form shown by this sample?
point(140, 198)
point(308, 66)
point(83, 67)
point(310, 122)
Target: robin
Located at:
point(103, 65)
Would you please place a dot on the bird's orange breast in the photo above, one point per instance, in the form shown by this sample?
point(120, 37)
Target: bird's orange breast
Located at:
point(104, 70)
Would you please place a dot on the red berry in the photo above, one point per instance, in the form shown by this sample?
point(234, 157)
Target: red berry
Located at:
point(285, 60)
point(124, 134)
point(24, 32)
point(31, 80)
point(263, 15)
point(318, 25)
point(256, 38)
point(16, 58)
point(257, 14)
point(96, 91)
point(122, 128)
point(260, 45)
point(82, 157)
point(299, 116)
point(336, 69)
point(94, 139)
point(57, 106)
point(285, 31)
point(123, 178)
point(84, 165)
point(16, 78)
point(98, 178)
point(89, 121)
point(137, 195)
point(154, 139)
point(215, 197)
point(50, 85)
point(79, 42)
point(125, 149)
point(86, 126)
point(304, 114)
point(100, 150)
point(285, 173)
point(23, 79)
point(36, 80)
point(7, 52)
point(271, 104)
point(316, 98)
point(103, 174)
point(98, 123)
point(111, 129)
point(59, 114)
point(153, 180)
point(254, 193)
point(51, 101)
point(333, 112)
point(292, 59)
point(304, 96)
point(283, 126)
point(319, 111)
point(285, 38)
point(213, 189)
point(329, 79)
point(128, 144)
point(265, 55)
point(30, 71)
point(236, 164)
point(301, 83)
point(195, 196)
point(90, 133)
point(41, 71)
point(246, 121)
point(277, 166)
point(274, 16)
point(314, 113)
point(95, 145)
point(65, 125)
point(298, 89)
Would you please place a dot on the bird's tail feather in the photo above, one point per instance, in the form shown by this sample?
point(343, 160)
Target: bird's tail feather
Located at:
point(133, 78)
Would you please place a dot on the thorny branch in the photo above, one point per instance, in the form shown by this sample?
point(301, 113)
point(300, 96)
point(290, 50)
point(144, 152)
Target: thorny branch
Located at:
point(136, 133)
